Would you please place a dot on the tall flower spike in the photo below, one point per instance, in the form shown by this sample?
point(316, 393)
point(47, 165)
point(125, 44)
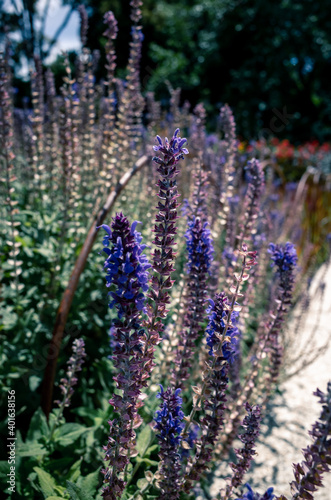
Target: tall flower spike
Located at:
point(165, 230)
point(251, 424)
point(308, 474)
point(249, 260)
point(215, 379)
point(68, 383)
point(74, 366)
point(226, 173)
point(252, 199)
point(127, 277)
point(284, 258)
point(200, 254)
point(169, 427)
point(83, 24)
point(109, 104)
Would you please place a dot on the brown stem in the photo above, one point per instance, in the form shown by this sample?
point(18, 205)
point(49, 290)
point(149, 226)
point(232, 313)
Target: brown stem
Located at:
point(68, 295)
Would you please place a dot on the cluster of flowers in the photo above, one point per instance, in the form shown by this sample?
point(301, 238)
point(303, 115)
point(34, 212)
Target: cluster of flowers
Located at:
point(186, 450)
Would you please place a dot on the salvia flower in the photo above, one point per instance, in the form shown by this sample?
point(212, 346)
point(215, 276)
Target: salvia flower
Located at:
point(127, 276)
point(168, 425)
point(251, 424)
point(253, 197)
point(200, 255)
point(284, 259)
point(253, 495)
point(199, 245)
point(308, 474)
point(165, 230)
point(126, 265)
point(74, 366)
point(217, 312)
point(216, 381)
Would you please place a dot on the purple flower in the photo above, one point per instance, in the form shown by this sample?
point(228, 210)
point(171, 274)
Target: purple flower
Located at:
point(317, 456)
point(127, 276)
point(74, 366)
point(284, 257)
point(174, 148)
point(199, 246)
point(165, 231)
point(217, 320)
point(253, 198)
point(126, 265)
point(251, 495)
point(190, 439)
point(169, 427)
point(251, 424)
point(200, 254)
point(169, 418)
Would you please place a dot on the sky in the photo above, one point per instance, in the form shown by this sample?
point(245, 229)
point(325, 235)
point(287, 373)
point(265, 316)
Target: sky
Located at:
point(69, 38)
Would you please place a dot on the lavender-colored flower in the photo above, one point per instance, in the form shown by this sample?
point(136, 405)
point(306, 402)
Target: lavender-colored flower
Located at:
point(165, 230)
point(283, 257)
point(217, 320)
point(308, 474)
point(251, 424)
point(253, 197)
point(169, 427)
point(127, 275)
point(252, 495)
point(74, 366)
point(199, 246)
point(216, 380)
point(200, 253)
point(189, 441)
point(83, 24)
point(126, 266)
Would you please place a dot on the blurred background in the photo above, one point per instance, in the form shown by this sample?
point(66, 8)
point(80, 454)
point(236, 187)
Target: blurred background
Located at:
point(270, 61)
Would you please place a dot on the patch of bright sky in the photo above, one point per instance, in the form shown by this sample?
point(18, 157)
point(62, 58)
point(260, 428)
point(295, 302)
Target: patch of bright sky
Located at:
point(69, 37)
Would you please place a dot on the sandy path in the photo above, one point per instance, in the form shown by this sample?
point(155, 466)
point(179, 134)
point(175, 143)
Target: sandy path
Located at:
point(285, 429)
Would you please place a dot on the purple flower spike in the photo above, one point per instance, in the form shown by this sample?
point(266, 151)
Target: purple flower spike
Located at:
point(172, 150)
point(164, 240)
point(74, 366)
point(284, 258)
point(200, 256)
point(309, 473)
point(126, 266)
point(251, 424)
point(217, 321)
point(169, 427)
point(127, 277)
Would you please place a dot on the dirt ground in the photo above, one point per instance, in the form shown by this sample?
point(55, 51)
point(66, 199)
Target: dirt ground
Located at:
point(290, 416)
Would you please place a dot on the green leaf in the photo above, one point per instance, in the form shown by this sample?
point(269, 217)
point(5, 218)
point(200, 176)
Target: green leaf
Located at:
point(47, 483)
point(74, 471)
point(144, 440)
point(34, 382)
point(89, 483)
point(38, 426)
point(54, 498)
point(77, 493)
point(31, 450)
point(67, 434)
point(146, 461)
point(141, 483)
point(150, 450)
